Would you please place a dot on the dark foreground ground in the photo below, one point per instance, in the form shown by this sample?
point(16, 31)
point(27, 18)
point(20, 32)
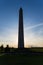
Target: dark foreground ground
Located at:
point(20, 58)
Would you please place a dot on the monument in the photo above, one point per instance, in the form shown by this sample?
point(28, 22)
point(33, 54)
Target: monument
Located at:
point(20, 30)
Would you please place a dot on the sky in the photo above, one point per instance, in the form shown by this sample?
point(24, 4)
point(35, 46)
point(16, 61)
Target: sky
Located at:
point(32, 19)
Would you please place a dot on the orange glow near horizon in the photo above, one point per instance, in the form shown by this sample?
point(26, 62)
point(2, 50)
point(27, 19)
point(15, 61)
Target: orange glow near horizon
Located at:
point(27, 44)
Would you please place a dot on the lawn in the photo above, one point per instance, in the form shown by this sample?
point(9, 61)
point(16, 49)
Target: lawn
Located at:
point(21, 59)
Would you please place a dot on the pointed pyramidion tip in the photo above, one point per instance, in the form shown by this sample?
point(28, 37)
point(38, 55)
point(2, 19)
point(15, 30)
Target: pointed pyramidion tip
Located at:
point(20, 8)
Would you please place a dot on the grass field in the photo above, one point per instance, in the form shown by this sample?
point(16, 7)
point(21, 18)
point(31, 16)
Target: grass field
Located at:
point(21, 59)
point(37, 49)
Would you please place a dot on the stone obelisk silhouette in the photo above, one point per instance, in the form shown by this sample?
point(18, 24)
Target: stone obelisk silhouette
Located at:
point(20, 30)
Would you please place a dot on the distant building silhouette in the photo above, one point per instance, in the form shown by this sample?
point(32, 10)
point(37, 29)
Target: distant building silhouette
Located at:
point(21, 31)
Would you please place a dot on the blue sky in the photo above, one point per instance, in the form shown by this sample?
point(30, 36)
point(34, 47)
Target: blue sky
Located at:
point(32, 18)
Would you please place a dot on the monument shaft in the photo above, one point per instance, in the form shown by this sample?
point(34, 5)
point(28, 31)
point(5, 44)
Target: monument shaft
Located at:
point(21, 31)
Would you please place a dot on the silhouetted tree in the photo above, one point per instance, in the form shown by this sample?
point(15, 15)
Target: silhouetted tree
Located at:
point(1, 48)
point(7, 49)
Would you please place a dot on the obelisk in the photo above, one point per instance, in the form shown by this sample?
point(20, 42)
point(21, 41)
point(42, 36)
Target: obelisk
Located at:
point(20, 30)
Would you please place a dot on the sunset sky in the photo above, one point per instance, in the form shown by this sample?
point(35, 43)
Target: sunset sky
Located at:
point(32, 18)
